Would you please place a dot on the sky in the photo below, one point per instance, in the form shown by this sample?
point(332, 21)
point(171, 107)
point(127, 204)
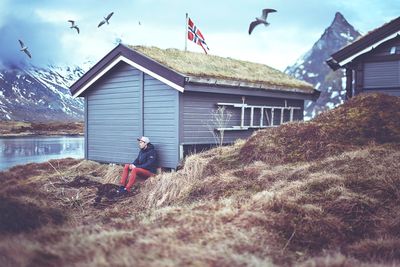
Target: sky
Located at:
point(44, 28)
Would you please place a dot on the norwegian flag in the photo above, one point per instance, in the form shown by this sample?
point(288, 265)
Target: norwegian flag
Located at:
point(194, 34)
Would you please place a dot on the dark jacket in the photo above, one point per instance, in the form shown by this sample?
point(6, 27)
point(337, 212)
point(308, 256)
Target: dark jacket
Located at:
point(147, 159)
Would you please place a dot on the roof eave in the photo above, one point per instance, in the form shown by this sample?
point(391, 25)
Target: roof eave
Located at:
point(133, 58)
point(350, 58)
point(332, 64)
point(246, 84)
point(367, 42)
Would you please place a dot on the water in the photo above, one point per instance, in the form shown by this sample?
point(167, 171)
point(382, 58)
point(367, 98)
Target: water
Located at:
point(23, 150)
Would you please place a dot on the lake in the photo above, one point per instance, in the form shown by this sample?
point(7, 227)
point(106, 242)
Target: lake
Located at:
point(23, 150)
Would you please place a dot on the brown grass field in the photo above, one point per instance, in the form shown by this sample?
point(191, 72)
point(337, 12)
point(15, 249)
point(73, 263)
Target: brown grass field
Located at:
point(18, 128)
point(318, 193)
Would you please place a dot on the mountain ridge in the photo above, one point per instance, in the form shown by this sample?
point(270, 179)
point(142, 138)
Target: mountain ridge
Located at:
point(311, 66)
point(40, 94)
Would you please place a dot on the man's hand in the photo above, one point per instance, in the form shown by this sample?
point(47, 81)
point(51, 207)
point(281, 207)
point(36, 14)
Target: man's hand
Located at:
point(131, 166)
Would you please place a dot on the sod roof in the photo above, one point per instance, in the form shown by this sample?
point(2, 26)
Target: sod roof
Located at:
point(211, 68)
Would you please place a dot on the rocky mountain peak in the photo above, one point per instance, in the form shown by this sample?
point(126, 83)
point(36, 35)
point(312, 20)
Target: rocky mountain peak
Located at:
point(340, 31)
point(339, 20)
point(311, 67)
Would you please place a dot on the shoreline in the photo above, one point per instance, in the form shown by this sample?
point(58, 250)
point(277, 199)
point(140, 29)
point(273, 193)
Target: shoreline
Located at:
point(30, 134)
point(25, 129)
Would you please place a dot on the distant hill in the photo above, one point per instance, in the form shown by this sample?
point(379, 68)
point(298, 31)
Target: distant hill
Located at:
point(311, 67)
point(40, 94)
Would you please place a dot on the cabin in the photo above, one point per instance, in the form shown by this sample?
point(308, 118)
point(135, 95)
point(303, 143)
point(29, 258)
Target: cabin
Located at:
point(183, 101)
point(372, 62)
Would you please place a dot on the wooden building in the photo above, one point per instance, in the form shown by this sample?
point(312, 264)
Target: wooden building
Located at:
point(170, 95)
point(372, 62)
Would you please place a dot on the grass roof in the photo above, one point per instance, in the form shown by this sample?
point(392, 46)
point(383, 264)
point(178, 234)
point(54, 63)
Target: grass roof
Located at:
point(209, 66)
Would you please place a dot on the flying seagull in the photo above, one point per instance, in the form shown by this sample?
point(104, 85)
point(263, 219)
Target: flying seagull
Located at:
point(105, 19)
point(24, 49)
point(262, 19)
point(73, 25)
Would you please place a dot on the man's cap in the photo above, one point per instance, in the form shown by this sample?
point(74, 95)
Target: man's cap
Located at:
point(144, 139)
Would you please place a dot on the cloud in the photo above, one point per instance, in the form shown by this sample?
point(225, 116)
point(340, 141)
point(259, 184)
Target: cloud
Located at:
point(46, 33)
point(3, 11)
point(271, 47)
point(43, 26)
point(56, 16)
point(40, 38)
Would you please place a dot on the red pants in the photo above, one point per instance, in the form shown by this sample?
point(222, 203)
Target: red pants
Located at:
point(132, 177)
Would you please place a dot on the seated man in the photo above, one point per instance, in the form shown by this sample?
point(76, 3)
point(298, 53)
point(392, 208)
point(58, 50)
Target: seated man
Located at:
point(145, 165)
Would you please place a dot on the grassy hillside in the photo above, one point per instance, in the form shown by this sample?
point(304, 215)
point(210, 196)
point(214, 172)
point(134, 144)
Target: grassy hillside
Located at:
point(319, 193)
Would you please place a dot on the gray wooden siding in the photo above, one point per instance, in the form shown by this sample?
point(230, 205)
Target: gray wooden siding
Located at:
point(86, 127)
point(393, 92)
point(383, 77)
point(160, 120)
point(382, 74)
point(113, 116)
point(197, 109)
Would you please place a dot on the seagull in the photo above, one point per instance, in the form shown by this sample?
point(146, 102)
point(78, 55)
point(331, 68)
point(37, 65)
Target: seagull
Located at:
point(262, 19)
point(73, 25)
point(24, 49)
point(105, 19)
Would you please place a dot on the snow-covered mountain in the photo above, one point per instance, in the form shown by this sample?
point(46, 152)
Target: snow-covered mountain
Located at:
point(40, 93)
point(311, 67)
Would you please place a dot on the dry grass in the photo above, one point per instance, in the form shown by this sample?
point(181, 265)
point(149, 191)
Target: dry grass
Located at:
point(209, 66)
point(17, 128)
point(338, 209)
point(8, 127)
point(170, 188)
point(364, 120)
point(282, 214)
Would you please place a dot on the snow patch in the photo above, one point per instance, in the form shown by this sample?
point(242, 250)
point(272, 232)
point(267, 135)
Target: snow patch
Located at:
point(347, 36)
point(310, 75)
point(330, 105)
point(334, 94)
point(343, 82)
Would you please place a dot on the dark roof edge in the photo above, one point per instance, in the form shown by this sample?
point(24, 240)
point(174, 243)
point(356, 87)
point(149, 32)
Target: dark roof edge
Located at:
point(332, 64)
point(133, 56)
point(367, 40)
point(247, 90)
point(234, 83)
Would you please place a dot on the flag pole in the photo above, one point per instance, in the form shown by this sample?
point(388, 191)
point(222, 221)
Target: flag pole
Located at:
point(186, 29)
